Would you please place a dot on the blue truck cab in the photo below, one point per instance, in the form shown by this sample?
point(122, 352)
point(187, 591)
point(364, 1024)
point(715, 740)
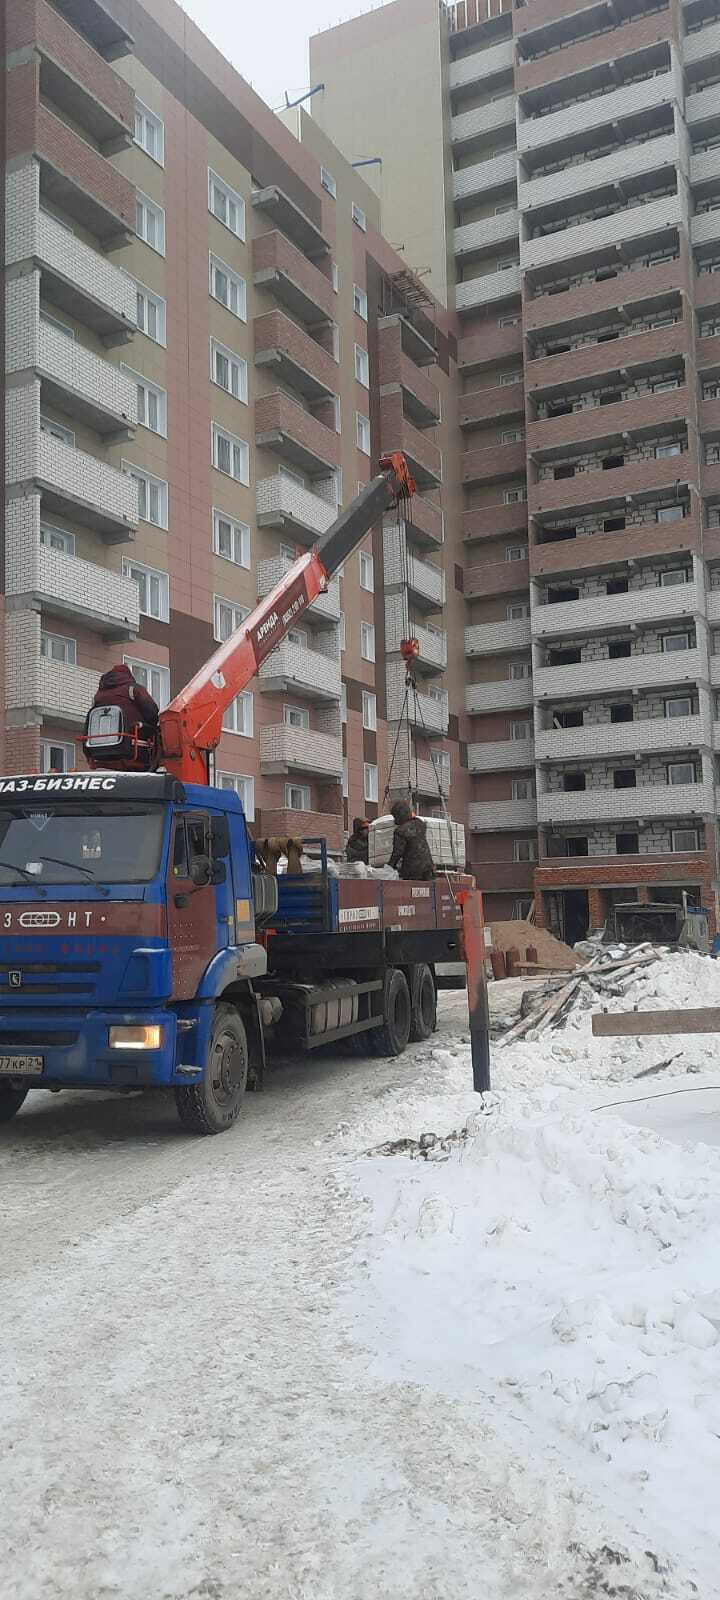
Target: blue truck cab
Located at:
point(127, 941)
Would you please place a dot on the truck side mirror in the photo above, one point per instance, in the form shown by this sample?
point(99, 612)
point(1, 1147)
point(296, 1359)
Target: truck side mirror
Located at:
point(200, 871)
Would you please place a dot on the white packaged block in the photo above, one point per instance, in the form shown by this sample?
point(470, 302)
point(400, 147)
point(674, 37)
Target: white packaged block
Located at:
point(445, 838)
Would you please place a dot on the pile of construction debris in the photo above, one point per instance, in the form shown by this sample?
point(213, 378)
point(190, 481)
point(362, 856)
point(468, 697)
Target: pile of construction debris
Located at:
point(608, 972)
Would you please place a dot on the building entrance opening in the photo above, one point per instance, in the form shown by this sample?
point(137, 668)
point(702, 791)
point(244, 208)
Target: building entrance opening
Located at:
point(574, 915)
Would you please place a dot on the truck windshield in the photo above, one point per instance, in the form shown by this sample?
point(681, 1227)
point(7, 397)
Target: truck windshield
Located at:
point(69, 843)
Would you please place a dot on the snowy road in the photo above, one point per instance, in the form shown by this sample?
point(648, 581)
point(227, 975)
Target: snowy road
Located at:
point(266, 1367)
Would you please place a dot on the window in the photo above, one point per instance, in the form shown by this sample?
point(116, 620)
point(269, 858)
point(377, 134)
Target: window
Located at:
point(328, 182)
point(665, 385)
point(362, 366)
point(150, 132)
point(508, 322)
point(55, 322)
point(152, 404)
point(335, 276)
point(524, 849)
point(298, 636)
point(343, 702)
point(228, 370)
point(618, 649)
point(297, 797)
point(673, 576)
point(681, 772)
point(152, 496)
point(514, 497)
point(685, 839)
point(522, 789)
point(512, 435)
point(151, 314)
point(675, 641)
point(369, 712)
point(226, 204)
point(519, 730)
point(230, 454)
point(362, 426)
point(153, 590)
point(669, 514)
point(515, 552)
point(664, 451)
point(56, 757)
point(239, 715)
point(370, 781)
point(57, 647)
point(345, 779)
point(519, 670)
point(244, 788)
point(57, 539)
point(231, 539)
point(517, 611)
point(150, 222)
point(155, 679)
point(367, 572)
point(624, 778)
point(359, 217)
point(296, 717)
point(679, 706)
point(228, 287)
point(227, 616)
point(626, 844)
point(510, 377)
point(56, 430)
point(360, 302)
point(622, 711)
point(367, 641)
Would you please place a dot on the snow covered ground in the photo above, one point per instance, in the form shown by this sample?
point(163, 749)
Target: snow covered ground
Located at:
point(280, 1365)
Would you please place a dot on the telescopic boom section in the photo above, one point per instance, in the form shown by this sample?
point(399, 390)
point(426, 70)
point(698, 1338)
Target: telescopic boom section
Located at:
point(191, 726)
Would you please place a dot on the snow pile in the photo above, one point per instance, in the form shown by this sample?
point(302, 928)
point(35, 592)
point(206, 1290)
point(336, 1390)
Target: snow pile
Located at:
point(558, 1266)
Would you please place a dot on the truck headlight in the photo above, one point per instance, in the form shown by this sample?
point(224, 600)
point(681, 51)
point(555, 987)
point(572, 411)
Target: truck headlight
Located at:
point(148, 1037)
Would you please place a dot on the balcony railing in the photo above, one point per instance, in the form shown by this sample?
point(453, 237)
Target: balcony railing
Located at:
point(501, 755)
point(284, 213)
point(630, 672)
point(327, 606)
point(426, 581)
point(74, 75)
point(281, 502)
point(601, 111)
point(81, 383)
point(602, 612)
point(304, 672)
point(423, 777)
point(87, 489)
point(432, 641)
point(474, 238)
point(398, 433)
point(485, 175)
point(621, 738)
point(483, 64)
point(494, 638)
point(492, 816)
point(75, 176)
point(469, 126)
point(66, 586)
point(298, 360)
point(586, 238)
point(485, 290)
point(426, 712)
point(504, 694)
point(630, 161)
point(284, 749)
point(297, 283)
point(55, 690)
point(295, 434)
point(79, 279)
point(647, 800)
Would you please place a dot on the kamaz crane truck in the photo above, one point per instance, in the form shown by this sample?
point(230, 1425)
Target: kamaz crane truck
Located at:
point(143, 946)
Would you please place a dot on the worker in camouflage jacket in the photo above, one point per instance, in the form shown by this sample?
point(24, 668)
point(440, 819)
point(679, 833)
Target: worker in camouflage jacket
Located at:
point(411, 851)
point(356, 848)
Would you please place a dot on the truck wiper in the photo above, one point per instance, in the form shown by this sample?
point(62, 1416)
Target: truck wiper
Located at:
point(29, 877)
point(76, 866)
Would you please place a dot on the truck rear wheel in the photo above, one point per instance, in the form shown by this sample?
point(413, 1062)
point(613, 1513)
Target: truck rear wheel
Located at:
point(424, 1004)
point(391, 1038)
point(214, 1103)
point(11, 1099)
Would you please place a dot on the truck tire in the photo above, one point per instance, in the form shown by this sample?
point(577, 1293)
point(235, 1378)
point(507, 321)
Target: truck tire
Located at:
point(423, 1021)
point(214, 1103)
point(391, 1038)
point(11, 1099)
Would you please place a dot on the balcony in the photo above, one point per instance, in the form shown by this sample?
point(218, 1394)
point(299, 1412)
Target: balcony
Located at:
point(492, 522)
point(505, 694)
point(296, 359)
point(586, 238)
point(602, 425)
point(429, 713)
point(73, 483)
point(709, 416)
point(295, 435)
point(80, 383)
point(284, 214)
point(92, 19)
point(601, 613)
point(423, 777)
point(498, 577)
point(501, 755)
point(420, 398)
point(587, 304)
point(415, 341)
point(52, 689)
point(705, 228)
point(295, 669)
point(495, 464)
point(483, 176)
point(423, 520)
point(629, 161)
point(64, 586)
point(502, 816)
point(646, 801)
point(587, 489)
point(285, 750)
point(503, 877)
point(612, 871)
point(697, 47)
point(433, 653)
point(650, 734)
point(425, 582)
point(613, 43)
point(78, 279)
point(497, 638)
point(484, 64)
point(488, 290)
point(80, 181)
point(471, 127)
point(631, 351)
point(397, 433)
point(73, 76)
point(659, 670)
point(283, 503)
point(490, 345)
point(297, 283)
point(595, 552)
point(702, 107)
point(282, 823)
point(325, 609)
point(491, 405)
point(473, 239)
point(536, 133)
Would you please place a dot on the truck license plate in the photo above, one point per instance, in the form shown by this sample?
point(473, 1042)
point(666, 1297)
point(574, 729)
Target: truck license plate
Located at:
point(21, 1066)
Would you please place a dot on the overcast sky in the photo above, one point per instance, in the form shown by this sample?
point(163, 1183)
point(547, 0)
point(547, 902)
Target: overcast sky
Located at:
point(269, 43)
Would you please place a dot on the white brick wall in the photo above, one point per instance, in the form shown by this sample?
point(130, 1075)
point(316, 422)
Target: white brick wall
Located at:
point(648, 800)
point(492, 286)
point(484, 175)
point(299, 749)
point(499, 230)
point(588, 237)
point(505, 695)
point(634, 672)
point(491, 816)
point(81, 586)
point(36, 684)
point(621, 738)
point(32, 343)
point(423, 576)
point(698, 107)
point(488, 638)
point(404, 773)
point(433, 645)
point(281, 496)
point(32, 234)
point(431, 713)
point(501, 755)
point(570, 617)
point(705, 228)
point(483, 119)
point(483, 64)
point(535, 132)
point(304, 669)
point(629, 161)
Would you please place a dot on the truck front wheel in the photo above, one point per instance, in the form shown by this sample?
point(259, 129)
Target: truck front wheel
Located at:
point(391, 1038)
point(11, 1099)
point(214, 1103)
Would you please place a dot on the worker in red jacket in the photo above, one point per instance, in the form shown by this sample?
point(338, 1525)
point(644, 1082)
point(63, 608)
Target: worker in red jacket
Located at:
point(121, 714)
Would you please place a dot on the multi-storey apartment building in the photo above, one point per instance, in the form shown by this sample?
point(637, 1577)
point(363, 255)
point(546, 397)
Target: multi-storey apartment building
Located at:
point(209, 344)
point(557, 178)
